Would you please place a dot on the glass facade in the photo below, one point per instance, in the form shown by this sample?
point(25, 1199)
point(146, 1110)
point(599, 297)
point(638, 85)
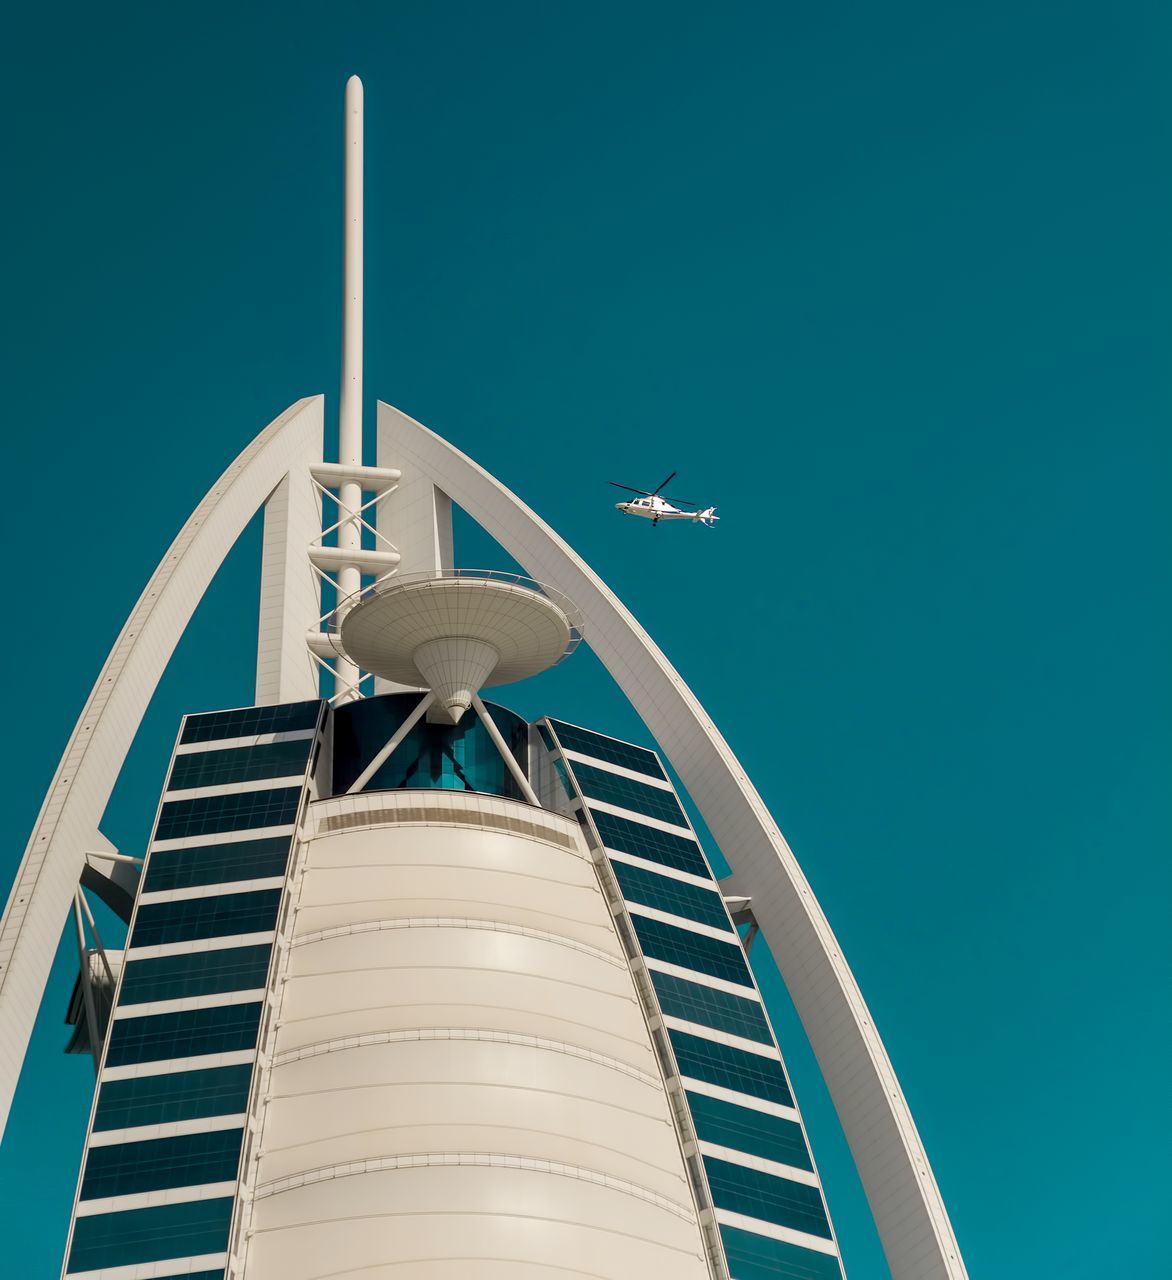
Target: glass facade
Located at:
point(193, 1228)
point(242, 811)
point(172, 1096)
point(199, 961)
point(458, 757)
point(203, 864)
point(239, 764)
point(740, 1125)
point(195, 973)
point(248, 721)
point(125, 1168)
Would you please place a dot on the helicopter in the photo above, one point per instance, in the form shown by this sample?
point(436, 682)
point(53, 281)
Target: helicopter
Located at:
point(651, 506)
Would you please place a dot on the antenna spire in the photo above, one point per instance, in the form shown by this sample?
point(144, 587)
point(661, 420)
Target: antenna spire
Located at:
point(350, 402)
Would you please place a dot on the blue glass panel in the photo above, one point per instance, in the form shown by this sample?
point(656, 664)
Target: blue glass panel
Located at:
point(613, 788)
point(647, 842)
point(432, 756)
point(242, 811)
point(753, 1257)
point(730, 1068)
point(676, 897)
point(220, 916)
point(196, 973)
point(191, 1160)
point(692, 950)
point(760, 1195)
point(217, 863)
point(239, 764)
point(246, 721)
point(183, 1035)
point(625, 754)
point(174, 1095)
point(151, 1235)
point(720, 1010)
point(754, 1132)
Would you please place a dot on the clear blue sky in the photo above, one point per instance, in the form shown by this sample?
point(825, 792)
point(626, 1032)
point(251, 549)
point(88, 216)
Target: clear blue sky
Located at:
point(889, 283)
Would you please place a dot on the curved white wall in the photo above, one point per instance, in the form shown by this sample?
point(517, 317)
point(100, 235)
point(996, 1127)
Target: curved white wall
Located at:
point(462, 1081)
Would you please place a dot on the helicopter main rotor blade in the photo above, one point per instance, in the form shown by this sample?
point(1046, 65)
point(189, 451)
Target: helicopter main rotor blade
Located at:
point(662, 483)
point(686, 501)
point(628, 488)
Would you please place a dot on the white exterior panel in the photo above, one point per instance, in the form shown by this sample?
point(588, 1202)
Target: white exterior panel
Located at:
point(461, 1080)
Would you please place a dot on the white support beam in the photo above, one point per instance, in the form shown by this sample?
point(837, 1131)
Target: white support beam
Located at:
point(393, 744)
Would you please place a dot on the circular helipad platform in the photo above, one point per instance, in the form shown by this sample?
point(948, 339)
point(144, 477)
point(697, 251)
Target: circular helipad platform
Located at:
point(457, 631)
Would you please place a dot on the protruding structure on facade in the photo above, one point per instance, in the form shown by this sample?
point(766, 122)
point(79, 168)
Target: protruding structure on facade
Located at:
point(414, 987)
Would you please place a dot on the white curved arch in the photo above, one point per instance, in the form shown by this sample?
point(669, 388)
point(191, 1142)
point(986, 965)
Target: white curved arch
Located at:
point(67, 825)
point(909, 1212)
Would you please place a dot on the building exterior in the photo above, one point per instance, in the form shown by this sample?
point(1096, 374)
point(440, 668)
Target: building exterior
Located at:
point(413, 987)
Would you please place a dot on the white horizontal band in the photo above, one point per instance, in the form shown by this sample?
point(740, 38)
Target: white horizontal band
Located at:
point(722, 1037)
point(791, 1173)
point(682, 922)
point(771, 1230)
point(222, 837)
point(211, 890)
point(172, 1066)
point(703, 979)
point(234, 788)
point(199, 944)
point(739, 1099)
point(672, 873)
point(685, 833)
point(648, 779)
point(190, 1265)
point(217, 1000)
point(251, 740)
point(153, 1199)
point(171, 1129)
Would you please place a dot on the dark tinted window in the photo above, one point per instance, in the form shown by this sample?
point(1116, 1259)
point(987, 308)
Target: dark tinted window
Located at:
point(126, 1168)
point(183, 1035)
point(676, 897)
point(219, 916)
point(217, 863)
point(730, 1068)
point(613, 788)
point(174, 1095)
point(240, 812)
point(755, 1132)
point(239, 764)
point(720, 1010)
point(753, 1257)
point(611, 750)
point(249, 720)
point(149, 1235)
point(647, 842)
point(196, 973)
point(692, 950)
point(761, 1195)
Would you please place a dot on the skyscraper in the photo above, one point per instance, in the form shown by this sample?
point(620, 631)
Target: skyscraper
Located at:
point(412, 986)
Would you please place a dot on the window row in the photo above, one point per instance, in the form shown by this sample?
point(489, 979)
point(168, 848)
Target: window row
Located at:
point(757, 1133)
point(245, 721)
point(195, 973)
point(275, 807)
point(220, 916)
point(190, 1160)
point(676, 897)
point(186, 1034)
point(627, 836)
point(626, 793)
point(691, 950)
point(754, 1257)
point(217, 863)
point(739, 1189)
point(720, 1010)
point(151, 1235)
point(624, 754)
point(239, 764)
point(173, 1096)
point(730, 1068)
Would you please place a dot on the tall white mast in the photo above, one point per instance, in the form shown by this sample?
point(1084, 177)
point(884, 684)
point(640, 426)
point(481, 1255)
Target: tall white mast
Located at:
point(350, 406)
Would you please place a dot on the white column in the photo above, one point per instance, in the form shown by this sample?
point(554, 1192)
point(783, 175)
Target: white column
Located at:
point(350, 406)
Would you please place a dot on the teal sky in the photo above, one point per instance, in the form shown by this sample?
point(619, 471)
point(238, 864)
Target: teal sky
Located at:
point(889, 284)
